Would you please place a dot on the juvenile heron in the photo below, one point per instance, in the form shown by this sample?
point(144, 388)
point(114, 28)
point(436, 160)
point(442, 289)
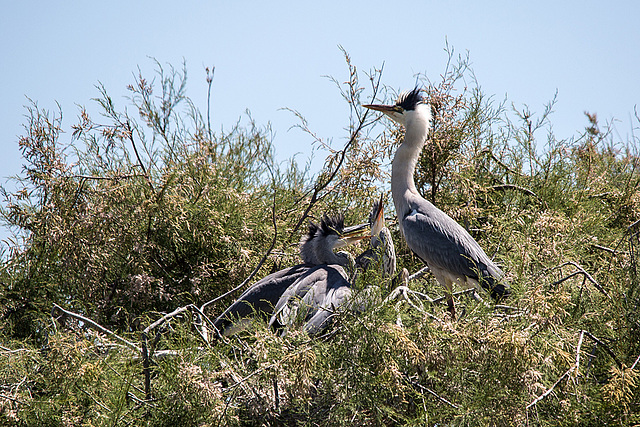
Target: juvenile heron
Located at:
point(313, 297)
point(444, 245)
point(382, 249)
point(316, 248)
point(321, 293)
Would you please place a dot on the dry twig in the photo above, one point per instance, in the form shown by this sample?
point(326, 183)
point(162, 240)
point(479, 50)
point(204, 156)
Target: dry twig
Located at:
point(563, 376)
point(581, 271)
point(94, 325)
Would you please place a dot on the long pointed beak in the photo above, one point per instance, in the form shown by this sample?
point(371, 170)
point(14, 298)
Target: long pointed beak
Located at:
point(353, 234)
point(383, 108)
point(377, 223)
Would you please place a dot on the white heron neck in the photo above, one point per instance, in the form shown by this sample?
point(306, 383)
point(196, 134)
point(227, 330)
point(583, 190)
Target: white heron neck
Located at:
point(405, 160)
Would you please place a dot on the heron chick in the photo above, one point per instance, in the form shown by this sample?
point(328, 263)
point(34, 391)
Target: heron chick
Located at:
point(316, 248)
point(382, 249)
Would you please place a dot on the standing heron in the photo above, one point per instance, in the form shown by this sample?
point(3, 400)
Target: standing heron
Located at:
point(444, 245)
point(316, 248)
point(317, 296)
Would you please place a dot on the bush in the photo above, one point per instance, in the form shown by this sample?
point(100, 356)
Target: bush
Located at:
point(132, 229)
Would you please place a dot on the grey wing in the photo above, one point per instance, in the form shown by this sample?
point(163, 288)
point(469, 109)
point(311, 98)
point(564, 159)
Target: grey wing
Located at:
point(323, 314)
point(261, 297)
point(441, 242)
point(285, 309)
point(310, 295)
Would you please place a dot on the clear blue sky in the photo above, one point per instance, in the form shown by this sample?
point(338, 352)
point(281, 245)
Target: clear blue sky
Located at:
point(270, 55)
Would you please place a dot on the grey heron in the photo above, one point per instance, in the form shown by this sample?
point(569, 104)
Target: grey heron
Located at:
point(318, 295)
point(444, 245)
point(382, 249)
point(316, 248)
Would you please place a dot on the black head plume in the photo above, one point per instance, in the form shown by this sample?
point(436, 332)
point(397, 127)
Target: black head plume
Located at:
point(332, 224)
point(409, 99)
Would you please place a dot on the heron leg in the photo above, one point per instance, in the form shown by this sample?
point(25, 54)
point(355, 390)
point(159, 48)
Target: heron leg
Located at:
point(446, 281)
point(451, 305)
point(448, 288)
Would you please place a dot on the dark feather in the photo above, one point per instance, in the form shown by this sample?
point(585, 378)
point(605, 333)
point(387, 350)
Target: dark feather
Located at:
point(408, 100)
point(261, 297)
point(332, 224)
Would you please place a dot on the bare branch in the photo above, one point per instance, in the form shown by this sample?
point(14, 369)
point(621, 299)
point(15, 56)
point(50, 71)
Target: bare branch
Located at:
point(13, 399)
point(114, 178)
point(604, 248)
point(584, 273)
point(127, 126)
point(546, 393)
point(418, 274)
point(321, 185)
point(434, 394)
point(164, 318)
point(57, 308)
point(635, 363)
point(606, 348)
point(210, 73)
point(563, 376)
point(503, 187)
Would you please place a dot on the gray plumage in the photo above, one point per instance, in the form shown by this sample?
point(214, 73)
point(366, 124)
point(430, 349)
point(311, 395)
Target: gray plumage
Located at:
point(313, 297)
point(318, 296)
point(446, 247)
point(381, 250)
point(259, 298)
point(316, 248)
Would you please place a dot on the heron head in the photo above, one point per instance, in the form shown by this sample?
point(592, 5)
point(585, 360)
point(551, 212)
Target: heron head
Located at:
point(376, 218)
point(329, 234)
point(338, 236)
point(405, 107)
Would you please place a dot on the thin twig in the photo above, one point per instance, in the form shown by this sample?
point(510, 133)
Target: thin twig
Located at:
point(164, 318)
point(13, 399)
point(583, 272)
point(433, 393)
point(418, 274)
point(546, 393)
point(455, 294)
point(514, 187)
point(635, 363)
point(320, 186)
point(114, 178)
point(127, 126)
point(10, 351)
point(502, 187)
point(606, 347)
point(209, 81)
point(102, 405)
point(146, 366)
point(578, 351)
point(404, 291)
point(94, 325)
point(566, 374)
point(604, 248)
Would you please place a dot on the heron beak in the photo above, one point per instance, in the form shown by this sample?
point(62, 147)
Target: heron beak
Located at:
point(353, 234)
point(378, 218)
point(384, 108)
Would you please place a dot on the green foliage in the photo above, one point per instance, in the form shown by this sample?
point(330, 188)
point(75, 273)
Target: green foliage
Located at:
point(130, 218)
